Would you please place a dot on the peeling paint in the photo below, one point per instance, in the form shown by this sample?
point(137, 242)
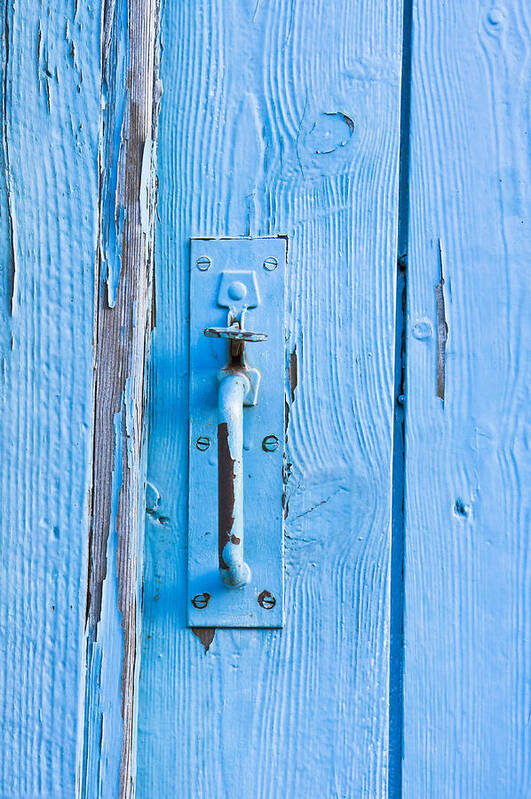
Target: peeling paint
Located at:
point(293, 380)
point(114, 138)
point(145, 187)
point(104, 658)
point(121, 344)
point(226, 491)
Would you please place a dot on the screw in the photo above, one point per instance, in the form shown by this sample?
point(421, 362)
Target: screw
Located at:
point(270, 443)
point(203, 263)
point(202, 443)
point(270, 263)
point(200, 601)
point(266, 600)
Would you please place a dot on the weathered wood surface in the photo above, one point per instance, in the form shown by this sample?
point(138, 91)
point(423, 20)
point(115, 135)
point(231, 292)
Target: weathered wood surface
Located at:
point(78, 99)
point(50, 91)
point(122, 328)
point(281, 118)
point(468, 586)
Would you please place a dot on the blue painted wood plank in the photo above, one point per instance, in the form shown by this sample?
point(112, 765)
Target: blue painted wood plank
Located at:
point(281, 118)
point(468, 586)
point(50, 86)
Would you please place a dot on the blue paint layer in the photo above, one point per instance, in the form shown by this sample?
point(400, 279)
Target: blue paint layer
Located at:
point(467, 571)
point(115, 125)
point(50, 86)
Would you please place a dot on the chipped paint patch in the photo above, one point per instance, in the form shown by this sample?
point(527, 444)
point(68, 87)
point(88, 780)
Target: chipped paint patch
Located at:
point(293, 373)
point(205, 635)
point(442, 330)
point(226, 491)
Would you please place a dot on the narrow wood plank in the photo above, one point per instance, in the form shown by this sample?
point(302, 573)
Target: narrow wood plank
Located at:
point(50, 101)
point(468, 586)
point(121, 338)
point(281, 118)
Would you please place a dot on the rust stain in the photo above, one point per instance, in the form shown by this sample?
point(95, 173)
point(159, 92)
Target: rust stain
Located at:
point(266, 600)
point(225, 491)
point(201, 600)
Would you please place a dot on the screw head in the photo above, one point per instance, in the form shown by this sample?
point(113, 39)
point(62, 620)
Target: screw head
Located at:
point(203, 263)
point(266, 600)
point(200, 601)
point(270, 263)
point(270, 443)
point(202, 443)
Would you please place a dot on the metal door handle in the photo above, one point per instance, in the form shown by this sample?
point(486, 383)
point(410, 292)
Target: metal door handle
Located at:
point(238, 386)
point(235, 575)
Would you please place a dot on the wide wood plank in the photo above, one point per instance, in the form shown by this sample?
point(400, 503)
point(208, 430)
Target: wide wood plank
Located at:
point(468, 586)
point(50, 91)
point(281, 118)
point(122, 328)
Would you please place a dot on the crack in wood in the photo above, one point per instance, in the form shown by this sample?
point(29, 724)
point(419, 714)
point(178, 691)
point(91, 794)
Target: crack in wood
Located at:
point(442, 329)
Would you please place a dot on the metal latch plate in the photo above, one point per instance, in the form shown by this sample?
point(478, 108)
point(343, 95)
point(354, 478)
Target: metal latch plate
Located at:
point(210, 602)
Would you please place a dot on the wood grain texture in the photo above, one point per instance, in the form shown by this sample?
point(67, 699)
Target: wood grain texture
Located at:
point(281, 118)
point(468, 587)
point(121, 339)
point(50, 100)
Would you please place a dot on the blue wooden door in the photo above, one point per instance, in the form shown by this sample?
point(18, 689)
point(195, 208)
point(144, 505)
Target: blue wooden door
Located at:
point(388, 144)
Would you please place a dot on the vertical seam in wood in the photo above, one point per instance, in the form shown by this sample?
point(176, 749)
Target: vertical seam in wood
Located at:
point(396, 647)
point(6, 36)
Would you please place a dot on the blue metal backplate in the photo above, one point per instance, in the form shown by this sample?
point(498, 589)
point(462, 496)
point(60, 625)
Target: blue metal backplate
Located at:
point(210, 602)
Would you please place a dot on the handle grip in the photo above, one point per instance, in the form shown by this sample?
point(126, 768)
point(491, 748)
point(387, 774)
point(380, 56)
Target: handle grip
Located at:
point(231, 394)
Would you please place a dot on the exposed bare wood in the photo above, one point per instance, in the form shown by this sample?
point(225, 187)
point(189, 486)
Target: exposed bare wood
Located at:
point(121, 339)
